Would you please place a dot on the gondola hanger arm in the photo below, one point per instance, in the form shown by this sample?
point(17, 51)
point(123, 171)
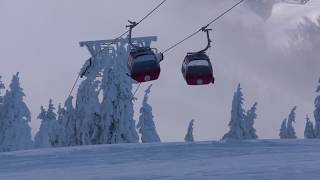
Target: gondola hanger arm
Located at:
point(204, 27)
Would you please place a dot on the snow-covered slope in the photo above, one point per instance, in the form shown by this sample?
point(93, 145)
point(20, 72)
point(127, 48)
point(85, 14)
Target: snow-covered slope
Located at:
point(267, 159)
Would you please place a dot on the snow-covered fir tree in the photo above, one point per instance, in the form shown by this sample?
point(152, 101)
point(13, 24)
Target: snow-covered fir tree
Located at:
point(1, 110)
point(251, 116)
point(316, 112)
point(61, 123)
point(117, 106)
point(283, 130)
point(189, 136)
point(146, 125)
point(1, 88)
point(308, 131)
point(88, 112)
point(15, 132)
point(42, 137)
point(237, 117)
point(56, 130)
point(67, 120)
point(1, 106)
point(49, 134)
point(291, 133)
point(104, 104)
point(287, 130)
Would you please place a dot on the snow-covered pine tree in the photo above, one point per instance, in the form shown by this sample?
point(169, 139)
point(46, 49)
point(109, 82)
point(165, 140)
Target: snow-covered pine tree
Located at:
point(67, 120)
point(1, 109)
point(55, 138)
point(318, 88)
point(291, 133)
point(251, 116)
point(15, 130)
point(1, 88)
point(146, 125)
point(308, 131)
point(283, 130)
point(88, 121)
point(117, 106)
point(49, 134)
point(88, 112)
point(316, 113)
point(42, 138)
point(189, 136)
point(61, 123)
point(236, 131)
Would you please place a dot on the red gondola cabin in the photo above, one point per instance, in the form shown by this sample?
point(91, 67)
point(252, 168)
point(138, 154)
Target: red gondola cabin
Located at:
point(197, 69)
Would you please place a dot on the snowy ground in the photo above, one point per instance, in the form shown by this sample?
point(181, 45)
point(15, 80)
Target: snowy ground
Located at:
point(269, 159)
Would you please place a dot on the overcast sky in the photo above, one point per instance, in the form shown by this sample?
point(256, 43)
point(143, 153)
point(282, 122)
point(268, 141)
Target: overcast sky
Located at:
point(39, 38)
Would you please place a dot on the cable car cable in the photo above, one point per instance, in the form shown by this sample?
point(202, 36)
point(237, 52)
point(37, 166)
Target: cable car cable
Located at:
point(136, 90)
point(124, 33)
point(224, 13)
point(114, 41)
point(204, 27)
point(157, 7)
point(74, 85)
